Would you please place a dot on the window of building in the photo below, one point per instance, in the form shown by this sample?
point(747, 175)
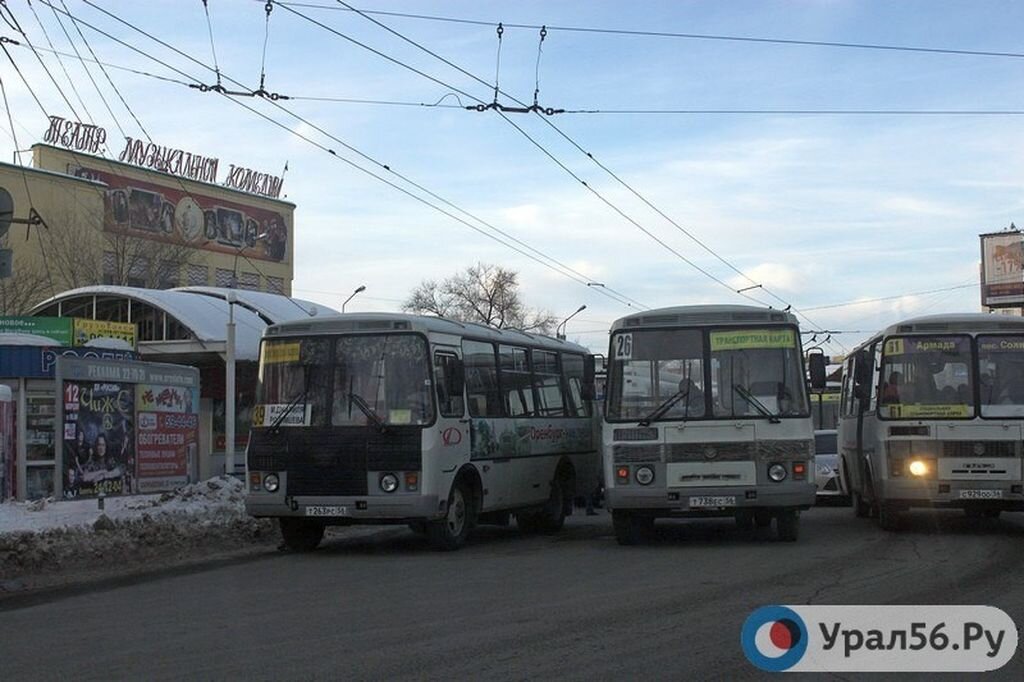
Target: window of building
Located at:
point(198, 275)
point(275, 285)
point(481, 379)
point(111, 308)
point(249, 280)
point(223, 278)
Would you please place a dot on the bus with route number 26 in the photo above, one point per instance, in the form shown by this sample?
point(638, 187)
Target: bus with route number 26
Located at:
point(706, 414)
point(931, 415)
point(383, 418)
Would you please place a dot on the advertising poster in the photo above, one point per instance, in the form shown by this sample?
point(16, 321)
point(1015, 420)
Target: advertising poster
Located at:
point(1002, 269)
point(99, 438)
point(168, 436)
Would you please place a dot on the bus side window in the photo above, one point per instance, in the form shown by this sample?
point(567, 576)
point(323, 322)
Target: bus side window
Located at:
point(481, 379)
point(516, 381)
point(444, 369)
point(547, 382)
point(572, 371)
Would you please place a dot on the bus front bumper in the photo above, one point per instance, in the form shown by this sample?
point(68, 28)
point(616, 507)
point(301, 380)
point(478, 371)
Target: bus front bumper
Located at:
point(1008, 495)
point(705, 501)
point(369, 509)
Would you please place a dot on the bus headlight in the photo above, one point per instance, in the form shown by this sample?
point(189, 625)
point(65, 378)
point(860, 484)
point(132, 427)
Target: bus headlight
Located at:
point(271, 483)
point(644, 475)
point(389, 483)
point(918, 467)
point(777, 472)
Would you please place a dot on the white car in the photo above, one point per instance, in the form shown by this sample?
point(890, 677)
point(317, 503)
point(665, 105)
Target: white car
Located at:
point(827, 468)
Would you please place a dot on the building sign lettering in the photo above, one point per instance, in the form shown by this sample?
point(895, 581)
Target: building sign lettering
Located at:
point(254, 182)
point(169, 160)
point(80, 137)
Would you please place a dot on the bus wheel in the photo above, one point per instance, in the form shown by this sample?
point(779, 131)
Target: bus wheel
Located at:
point(632, 529)
point(301, 535)
point(787, 525)
point(451, 532)
point(888, 517)
point(860, 506)
point(551, 517)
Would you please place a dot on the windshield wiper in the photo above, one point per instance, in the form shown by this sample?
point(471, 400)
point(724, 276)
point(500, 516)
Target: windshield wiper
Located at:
point(665, 407)
point(757, 404)
point(365, 408)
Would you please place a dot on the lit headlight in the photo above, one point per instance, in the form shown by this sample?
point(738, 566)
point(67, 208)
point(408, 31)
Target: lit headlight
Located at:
point(389, 483)
point(644, 475)
point(918, 467)
point(271, 483)
point(777, 472)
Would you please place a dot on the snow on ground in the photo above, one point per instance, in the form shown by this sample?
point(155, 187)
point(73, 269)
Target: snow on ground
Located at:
point(220, 498)
point(47, 537)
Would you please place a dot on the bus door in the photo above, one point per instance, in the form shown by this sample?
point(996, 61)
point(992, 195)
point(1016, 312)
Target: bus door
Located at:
point(452, 437)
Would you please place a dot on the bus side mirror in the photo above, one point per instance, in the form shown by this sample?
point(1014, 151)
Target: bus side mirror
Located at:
point(588, 390)
point(456, 378)
point(816, 367)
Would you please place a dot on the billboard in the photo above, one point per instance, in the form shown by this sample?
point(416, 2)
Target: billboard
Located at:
point(168, 213)
point(1002, 269)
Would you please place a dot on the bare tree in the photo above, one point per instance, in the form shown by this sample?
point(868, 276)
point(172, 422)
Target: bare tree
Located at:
point(83, 254)
point(484, 293)
point(27, 286)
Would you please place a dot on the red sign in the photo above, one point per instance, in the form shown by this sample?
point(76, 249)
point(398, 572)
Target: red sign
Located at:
point(169, 213)
point(165, 444)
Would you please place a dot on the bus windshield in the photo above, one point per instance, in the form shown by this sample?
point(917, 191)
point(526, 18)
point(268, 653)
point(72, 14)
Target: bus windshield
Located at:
point(757, 372)
point(659, 373)
point(1001, 375)
point(352, 380)
point(926, 377)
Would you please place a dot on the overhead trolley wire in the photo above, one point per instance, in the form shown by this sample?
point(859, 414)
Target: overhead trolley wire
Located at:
point(63, 68)
point(578, 277)
point(671, 34)
point(571, 141)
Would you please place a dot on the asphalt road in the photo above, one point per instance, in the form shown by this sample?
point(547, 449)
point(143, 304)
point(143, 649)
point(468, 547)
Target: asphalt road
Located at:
point(572, 606)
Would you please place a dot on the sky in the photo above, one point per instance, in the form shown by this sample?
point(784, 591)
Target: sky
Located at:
point(819, 210)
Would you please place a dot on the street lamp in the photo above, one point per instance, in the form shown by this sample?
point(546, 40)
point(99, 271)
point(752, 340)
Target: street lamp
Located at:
point(229, 389)
point(361, 288)
point(561, 334)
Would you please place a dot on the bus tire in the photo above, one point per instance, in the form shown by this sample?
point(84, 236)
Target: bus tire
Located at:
point(301, 535)
point(787, 525)
point(860, 506)
point(888, 517)
point(632, 529)
point(551, 517)
point(450, 533)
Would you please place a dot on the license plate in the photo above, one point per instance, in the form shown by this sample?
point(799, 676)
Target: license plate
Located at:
point(712, 501)
point(326, 510)
point(981, 494)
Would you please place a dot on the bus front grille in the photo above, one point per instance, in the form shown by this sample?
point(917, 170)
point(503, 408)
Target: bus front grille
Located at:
point(981, 448)
point(334, 460)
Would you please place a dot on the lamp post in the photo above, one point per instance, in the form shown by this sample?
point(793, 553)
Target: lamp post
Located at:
point(229, 390)
point(561, 334)
point(362, 287)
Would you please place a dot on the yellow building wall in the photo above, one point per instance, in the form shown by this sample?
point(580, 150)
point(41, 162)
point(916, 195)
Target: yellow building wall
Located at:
point(96, 194)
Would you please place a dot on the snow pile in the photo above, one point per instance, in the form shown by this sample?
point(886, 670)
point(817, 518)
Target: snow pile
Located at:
point(50, 536)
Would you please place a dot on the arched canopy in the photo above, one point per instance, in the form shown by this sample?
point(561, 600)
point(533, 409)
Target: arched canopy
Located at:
point(180, 322)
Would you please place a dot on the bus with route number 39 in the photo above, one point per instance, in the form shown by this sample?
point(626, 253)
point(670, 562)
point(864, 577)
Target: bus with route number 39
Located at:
point(706, 414)
point(402, 419)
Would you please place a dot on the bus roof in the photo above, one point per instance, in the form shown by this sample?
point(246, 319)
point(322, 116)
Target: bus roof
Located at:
point(686, 315)
point(348, 323)
point(953, 323)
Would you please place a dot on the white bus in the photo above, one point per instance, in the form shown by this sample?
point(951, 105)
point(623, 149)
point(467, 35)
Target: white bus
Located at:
point(931, 416)
point(391, 418)
point(707, 415)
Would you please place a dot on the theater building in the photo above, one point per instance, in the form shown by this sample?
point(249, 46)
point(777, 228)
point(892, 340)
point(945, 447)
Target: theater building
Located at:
point(158, 218)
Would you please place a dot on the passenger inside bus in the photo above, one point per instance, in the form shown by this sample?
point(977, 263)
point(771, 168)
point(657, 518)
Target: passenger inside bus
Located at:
point(891, 388)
